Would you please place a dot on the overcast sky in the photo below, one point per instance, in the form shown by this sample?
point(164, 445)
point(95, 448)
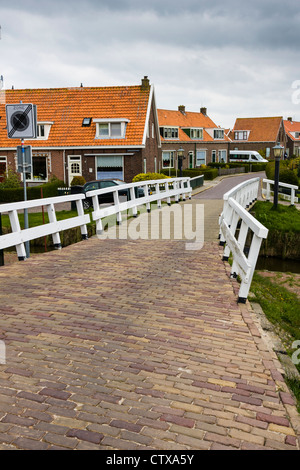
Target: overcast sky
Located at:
point(237, 58)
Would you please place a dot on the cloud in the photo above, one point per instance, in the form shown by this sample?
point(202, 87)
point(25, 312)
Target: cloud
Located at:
point(234, 57)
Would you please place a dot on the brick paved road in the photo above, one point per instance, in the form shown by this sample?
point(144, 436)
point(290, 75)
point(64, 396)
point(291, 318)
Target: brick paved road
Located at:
point(115, 344)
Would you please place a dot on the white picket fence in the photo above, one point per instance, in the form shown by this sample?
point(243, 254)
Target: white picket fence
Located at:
point(163, 189)
point(267, 191)
point(19, 236)
point(236, 225)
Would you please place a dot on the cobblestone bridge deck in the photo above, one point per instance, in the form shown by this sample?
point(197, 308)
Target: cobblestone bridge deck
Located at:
point(121, 344)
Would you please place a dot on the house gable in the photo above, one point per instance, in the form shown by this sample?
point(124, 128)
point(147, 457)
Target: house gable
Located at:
point(264, 129)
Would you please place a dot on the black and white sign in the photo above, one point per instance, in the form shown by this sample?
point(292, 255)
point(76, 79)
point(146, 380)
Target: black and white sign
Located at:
point(21, 121)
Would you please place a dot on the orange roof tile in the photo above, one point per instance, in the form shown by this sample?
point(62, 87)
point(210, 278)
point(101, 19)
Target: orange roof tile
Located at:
point(66, 108)
point(291, 127)
point(169, 118)
point(262, 129)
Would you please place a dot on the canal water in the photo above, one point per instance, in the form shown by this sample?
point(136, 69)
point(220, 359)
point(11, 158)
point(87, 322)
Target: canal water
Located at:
point(278, 265)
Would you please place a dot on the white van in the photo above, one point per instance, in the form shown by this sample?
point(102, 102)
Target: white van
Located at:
point(247, 156)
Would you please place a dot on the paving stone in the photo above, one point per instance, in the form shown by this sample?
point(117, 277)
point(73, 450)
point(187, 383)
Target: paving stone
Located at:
point(136, 344)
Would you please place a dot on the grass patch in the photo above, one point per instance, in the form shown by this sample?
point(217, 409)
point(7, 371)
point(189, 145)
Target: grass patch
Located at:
point(284, 218)
point(282, 309)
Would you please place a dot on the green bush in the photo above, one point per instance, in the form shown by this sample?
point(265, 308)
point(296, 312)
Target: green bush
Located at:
point(286, 175)
point(254, 166)
point(8, 195)
point(11, 180)
point(209, 174)
point(149, 176)
point(78, 181)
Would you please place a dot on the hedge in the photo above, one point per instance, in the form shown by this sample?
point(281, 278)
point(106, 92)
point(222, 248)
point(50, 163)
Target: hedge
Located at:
point(286, 175)
point(209, 173)
point(254, 166)
point(33, 192)
point(149, 177)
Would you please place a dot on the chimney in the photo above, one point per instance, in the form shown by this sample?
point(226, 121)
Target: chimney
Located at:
point(203, 111)
point(290, 119)
point(181, 108)
point(145, 83)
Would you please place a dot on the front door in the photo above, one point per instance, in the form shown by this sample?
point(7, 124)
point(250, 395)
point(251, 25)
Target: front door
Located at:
point(74, 167)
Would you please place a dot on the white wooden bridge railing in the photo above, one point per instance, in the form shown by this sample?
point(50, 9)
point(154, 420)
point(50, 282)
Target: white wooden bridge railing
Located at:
point(160, 189)
point(267, 191)
point(18, 237)
point(164, 189)
point(236, 225)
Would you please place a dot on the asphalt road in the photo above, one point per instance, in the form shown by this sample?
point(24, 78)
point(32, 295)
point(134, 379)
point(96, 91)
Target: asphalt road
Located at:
point(219, 189)
point(212, 199)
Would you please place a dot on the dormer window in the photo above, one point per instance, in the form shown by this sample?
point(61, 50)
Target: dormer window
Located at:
point(43, 130)
point(169, 132)
point(196, 133)
point(241, 135)
point(111, 128)
point(218, 133)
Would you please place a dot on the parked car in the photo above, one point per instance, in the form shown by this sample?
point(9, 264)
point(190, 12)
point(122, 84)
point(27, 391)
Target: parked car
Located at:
point(104, 198)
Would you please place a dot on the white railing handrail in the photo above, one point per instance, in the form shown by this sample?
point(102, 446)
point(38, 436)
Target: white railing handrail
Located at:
point(178, 189)
point(39, 202)
point(284, 185)
point(292, 187)
point(232, 192)
point(19, 236)
point(173, 187)
point(234, 212)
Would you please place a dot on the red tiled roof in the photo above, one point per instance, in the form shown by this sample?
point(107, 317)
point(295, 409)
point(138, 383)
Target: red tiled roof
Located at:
point(262, 129)
point(292, 126)
point(169, 118)
point(66, 108)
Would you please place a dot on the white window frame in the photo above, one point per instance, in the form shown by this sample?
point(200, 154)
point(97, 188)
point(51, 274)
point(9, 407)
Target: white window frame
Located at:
point(123, 123)
point(46, 130)
point(172, 159)
point(168, 131)
point(33, 179)
point(197, 158)
point(241, 135)
point(218, 131)
point(220, 155)
point(195, 131)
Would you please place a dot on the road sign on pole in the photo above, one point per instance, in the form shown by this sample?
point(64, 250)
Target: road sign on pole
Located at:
point(27, 158)
point(21, 121)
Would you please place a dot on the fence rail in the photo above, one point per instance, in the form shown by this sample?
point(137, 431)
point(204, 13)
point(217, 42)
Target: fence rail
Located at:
point(18, 237)
point(163, 189)
point(154, 190)
point(236, 227)
point(267, 191)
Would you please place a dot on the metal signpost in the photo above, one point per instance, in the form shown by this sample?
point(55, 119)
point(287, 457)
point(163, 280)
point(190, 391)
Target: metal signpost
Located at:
point(22, 124)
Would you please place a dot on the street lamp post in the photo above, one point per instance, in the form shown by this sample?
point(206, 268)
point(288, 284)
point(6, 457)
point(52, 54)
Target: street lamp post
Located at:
point(278, 151)
point(180, 156)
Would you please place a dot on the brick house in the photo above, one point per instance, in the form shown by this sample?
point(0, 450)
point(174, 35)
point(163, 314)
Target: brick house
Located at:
point(292, 130)
point(200, 138)
point(98, 132)
point(260, 134)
